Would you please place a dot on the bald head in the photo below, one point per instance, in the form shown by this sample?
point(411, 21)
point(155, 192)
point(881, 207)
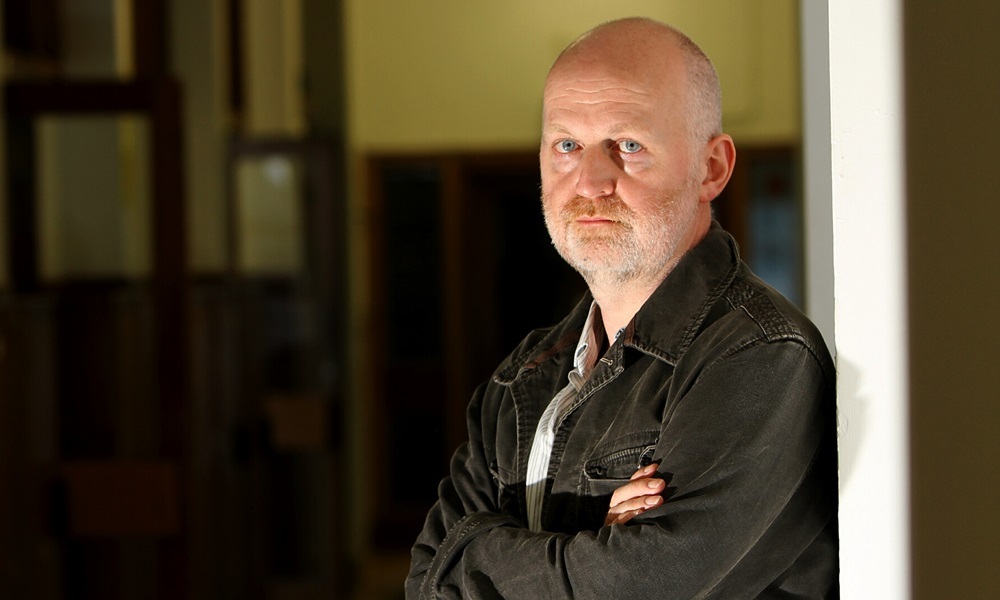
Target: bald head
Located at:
point(640, 48)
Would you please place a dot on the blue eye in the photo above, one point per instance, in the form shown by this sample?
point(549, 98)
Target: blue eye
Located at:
point(566, 146)
point(629, 146)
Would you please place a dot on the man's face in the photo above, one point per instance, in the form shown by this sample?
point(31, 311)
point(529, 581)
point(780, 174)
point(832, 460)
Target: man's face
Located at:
point(620, 175)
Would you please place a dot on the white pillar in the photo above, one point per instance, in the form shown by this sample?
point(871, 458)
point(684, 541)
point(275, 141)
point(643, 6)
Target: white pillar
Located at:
point(867, 181)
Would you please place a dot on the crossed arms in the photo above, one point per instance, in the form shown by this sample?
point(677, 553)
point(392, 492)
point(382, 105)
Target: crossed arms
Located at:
point(749, 465)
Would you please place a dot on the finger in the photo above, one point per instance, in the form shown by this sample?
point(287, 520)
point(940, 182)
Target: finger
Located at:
point(643, 503)
point(636, 488)
point(625, 509)
point(645, 471)
point(624, 517)
point(621, 519)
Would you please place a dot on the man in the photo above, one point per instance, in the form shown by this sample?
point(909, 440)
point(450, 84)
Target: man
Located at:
point(673, 437)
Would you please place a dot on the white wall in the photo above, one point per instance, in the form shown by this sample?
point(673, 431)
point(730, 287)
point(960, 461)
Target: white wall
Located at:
point(864, 169)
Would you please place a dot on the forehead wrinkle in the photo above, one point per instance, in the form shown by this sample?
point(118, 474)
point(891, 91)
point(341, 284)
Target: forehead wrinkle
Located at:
point(621, 90)
point(560, 104)
point(619, 98)
point(630, 112)
point(566, 101)
point(594, 102)
point(606, 89)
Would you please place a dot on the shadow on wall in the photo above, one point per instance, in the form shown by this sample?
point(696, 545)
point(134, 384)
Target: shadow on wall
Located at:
point(852, 411)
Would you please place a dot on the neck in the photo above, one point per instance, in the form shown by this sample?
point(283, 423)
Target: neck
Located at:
point(620, 303)
point(620, 299)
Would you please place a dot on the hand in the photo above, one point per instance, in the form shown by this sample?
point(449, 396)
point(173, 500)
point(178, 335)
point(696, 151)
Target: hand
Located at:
point(641, 493)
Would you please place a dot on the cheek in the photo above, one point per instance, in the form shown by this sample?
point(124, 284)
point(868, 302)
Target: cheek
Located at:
point(552, 205)
point(557, 183)
point(654, 187)
point(553, 189)
point(549, 206)
point(557, 166)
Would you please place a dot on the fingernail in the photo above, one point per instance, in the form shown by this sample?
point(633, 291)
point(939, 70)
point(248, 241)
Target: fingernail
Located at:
point(653, 483)
point(652, 500)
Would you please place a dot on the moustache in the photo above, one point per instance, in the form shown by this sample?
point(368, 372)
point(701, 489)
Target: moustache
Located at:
point(611, 208)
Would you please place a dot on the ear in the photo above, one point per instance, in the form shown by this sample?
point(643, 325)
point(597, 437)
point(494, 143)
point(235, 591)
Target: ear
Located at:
point(719, 160)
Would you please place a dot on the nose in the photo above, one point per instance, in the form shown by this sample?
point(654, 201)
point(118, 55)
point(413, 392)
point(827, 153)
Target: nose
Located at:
point(597, 173)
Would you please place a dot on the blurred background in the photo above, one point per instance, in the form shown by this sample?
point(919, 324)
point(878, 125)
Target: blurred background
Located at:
point(255, 255)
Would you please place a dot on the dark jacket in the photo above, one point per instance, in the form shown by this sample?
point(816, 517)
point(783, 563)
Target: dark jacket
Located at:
point(721, 381)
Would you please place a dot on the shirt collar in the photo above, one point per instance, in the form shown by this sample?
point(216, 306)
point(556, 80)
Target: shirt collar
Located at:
point(589, 345)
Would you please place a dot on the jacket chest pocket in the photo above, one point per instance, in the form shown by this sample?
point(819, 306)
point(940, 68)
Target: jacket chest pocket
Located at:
point(612, 464)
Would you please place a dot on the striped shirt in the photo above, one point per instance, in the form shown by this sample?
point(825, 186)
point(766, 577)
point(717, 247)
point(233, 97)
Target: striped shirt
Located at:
point(541, 448)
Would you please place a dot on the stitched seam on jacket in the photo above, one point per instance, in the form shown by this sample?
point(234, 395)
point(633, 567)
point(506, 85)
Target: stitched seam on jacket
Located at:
point(430, 582)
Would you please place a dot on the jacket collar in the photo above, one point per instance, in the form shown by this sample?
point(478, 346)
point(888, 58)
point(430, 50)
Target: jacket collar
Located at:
point(669, 320)
point(674, 314)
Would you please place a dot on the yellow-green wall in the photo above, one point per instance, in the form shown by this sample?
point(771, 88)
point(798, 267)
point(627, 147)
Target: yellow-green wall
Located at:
point(467, 74)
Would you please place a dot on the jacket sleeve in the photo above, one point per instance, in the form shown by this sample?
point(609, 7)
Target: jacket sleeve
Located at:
point(465, 508)
point(749, 453)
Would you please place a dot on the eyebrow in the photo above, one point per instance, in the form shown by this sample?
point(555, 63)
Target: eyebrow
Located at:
point(622, 127)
